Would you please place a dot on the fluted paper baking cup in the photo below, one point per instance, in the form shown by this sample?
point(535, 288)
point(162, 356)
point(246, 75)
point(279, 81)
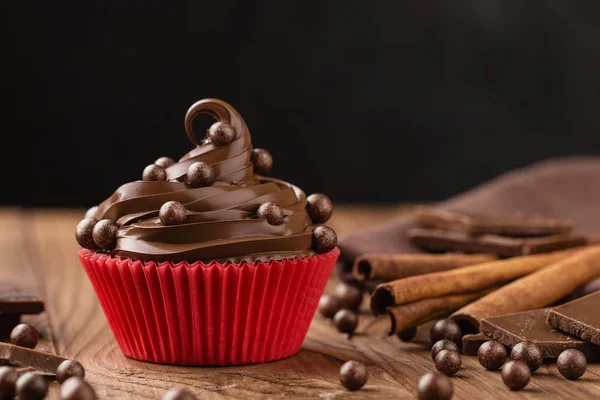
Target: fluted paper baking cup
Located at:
point(208, 314)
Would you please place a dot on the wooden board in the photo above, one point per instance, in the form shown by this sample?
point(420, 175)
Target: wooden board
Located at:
point(38, 250)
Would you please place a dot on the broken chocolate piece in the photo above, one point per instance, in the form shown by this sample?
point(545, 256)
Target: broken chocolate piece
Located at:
point(442, 240)
point(15, 300)
point(24, 357)
point(531, 326)
point(579, 318)
point(472, 342)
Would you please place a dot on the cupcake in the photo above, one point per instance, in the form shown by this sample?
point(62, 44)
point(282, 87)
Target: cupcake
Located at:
point(204, 261)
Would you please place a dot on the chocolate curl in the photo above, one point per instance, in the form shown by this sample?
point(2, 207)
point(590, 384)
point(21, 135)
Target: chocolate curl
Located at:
point(459, 281)
point(537, 290)
point(389, 267)
point(419, 312)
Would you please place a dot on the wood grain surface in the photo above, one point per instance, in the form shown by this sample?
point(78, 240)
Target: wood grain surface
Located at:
point(38, 250)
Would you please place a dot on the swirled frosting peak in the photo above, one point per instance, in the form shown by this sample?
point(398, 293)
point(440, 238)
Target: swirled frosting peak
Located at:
point(210, 205)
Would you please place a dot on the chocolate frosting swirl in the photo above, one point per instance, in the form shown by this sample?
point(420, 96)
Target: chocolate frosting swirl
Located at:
point(221, 222)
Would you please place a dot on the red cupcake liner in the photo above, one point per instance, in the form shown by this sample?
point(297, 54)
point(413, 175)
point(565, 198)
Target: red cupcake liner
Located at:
point(208, 314)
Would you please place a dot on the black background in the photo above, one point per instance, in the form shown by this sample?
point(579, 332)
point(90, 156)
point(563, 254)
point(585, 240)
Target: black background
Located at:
point(365, 101)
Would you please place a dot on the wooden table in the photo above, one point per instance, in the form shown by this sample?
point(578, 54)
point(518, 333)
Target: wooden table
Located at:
point(38, 249)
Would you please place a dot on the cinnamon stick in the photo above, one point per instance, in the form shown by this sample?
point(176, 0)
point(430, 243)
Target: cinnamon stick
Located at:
point(389, 267)
point(459, 281)
point(536, 290)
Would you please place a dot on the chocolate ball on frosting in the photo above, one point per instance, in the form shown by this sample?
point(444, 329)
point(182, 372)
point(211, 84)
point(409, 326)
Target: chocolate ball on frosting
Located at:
point(154, 172)
point(324, 239)
point(83, 233)
point(221, 133)
point(319, 208)
point(91, 213)
point(105, 234)
point(164, 162)
point(172, 213)
point(200, 174)
point(271, 212)
point(262, 161)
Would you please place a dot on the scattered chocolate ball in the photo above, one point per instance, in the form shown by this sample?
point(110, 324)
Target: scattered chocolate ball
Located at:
point(262, 160)
point(271, 212)
point(75, 388)
point(105, 234)
point(154, 172)
point(319, 207)
point(8, 378)
point(324, 239)
point(178, 394)
point(353, 375)
point(164, 162)
point(443, 344)
point(345, 321)
point(349, 295)
point(491, 355)
point(68, 369)
point(408, 334)
point(172, 213)
point(434, 386)
point(572, 364)
point(83, 233)
point(329, 305)
point(448, 362)
point(446, 329)
point(31, 386)
point(200, 174)
point(25, 336)
point(516, 374)
point(221, 133)
point(91, 213)
point(529, 353)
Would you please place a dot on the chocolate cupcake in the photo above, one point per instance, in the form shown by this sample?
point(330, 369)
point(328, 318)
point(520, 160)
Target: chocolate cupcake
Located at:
point(204, 262)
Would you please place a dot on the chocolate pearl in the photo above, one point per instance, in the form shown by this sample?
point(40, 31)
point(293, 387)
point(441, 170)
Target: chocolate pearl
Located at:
point(75, 388)
point(200, 174)
point(154, 172)
point(319, 208)
point(491, 355)
point(324, 239)
point(8, 378)
point(105, 234)
point(25, 336)
point(68, 369)
point(443, 344)
point(353, 375)
point(571, 364)
point(408, 334)
point(350, 296)
point(91, 213)
point(262, 160)
point(329, 305)
point(31, 386)
point(221, 133)
point(164, 162)
point(178, 394)
point(434, 386)
point(172, 213)
point(446, 329)
point(271, 212)
point(83, 233)
point(516, 374)
point(529, 353)
point(345, 321)
point(448, 362)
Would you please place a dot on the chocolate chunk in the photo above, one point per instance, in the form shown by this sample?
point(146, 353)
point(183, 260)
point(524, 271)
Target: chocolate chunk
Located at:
point(154, 172)
point(16, 300)
point(472, 342)
point(172, 213)
point(68, 369)
point(271, 212)
point(443, 344)
point(579, 318)
point(178, 394)
point(491, 355)
point(329, 305)
point(25, 336)
point(105, 234)
point(408, 334)
point(8, 378)
point(531, 326)
point(164, 162)
point(31, 386)
point(571, 364)
point(345, 321)
point(75, 388)
point(507, 226)
point(353, 375)
point(441, 240)
point(262, 161)
point(221, 133)
point(350, 296)
point(529, 353)
point(319, 207)
point(200, 174)
point(446, 329)
point(21, 356)
point(324, 239)
point(448, 362)
point(83, 233)
point(516, 375)
point(434, 386)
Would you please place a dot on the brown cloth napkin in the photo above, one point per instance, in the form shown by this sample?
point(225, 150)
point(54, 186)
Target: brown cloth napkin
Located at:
point(564, 188)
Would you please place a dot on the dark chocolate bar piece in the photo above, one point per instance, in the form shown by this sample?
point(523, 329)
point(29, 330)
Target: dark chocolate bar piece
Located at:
point(472, 342)
point(15, 300)
point(24, 357)
point(531, 326)
point(580, 318)
point(517, 225)
point(442, 240)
